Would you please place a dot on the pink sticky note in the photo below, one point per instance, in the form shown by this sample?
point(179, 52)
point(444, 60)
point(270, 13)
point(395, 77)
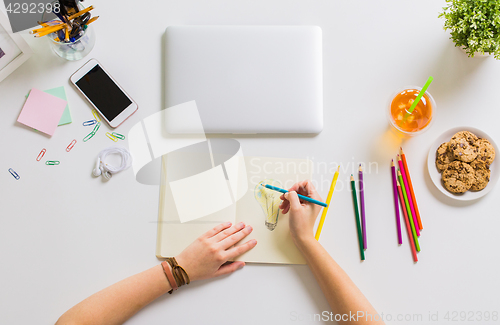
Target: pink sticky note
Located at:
point(42, 111)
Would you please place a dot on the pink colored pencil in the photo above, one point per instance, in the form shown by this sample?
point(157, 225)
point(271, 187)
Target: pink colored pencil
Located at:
point(395, 190)
point(408, 227)
point(405, 180)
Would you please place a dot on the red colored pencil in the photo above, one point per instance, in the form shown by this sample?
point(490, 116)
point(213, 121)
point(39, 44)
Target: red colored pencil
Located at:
point(410, 201)
point(410, 236)
point(403, 157)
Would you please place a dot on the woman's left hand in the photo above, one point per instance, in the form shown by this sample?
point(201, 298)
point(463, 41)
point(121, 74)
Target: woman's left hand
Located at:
point(205, 257)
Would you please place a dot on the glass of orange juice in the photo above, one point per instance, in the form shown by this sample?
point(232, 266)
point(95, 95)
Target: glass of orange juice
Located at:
point(415, 122)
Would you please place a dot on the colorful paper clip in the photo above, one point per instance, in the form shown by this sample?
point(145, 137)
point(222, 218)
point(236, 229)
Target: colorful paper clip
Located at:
point(96, 127)
point(96, 115)
point(118, 136)
point(41, 154)
point(71, 145)
point(89, 123)
point(13, 173)
point(91, 134)
point(88, 137)
point(52, 162)
point(112, 137)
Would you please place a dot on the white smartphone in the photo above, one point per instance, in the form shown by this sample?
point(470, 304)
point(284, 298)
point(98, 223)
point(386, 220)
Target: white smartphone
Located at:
point(104, 93)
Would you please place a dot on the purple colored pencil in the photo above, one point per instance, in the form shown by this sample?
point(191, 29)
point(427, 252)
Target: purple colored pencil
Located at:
point(362, 203)
point(395, 188)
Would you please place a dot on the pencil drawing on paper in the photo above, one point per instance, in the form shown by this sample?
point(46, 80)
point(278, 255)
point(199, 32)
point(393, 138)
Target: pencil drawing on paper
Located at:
point(269, 201)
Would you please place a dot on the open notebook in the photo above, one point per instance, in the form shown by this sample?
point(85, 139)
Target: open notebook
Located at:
point(274, 244)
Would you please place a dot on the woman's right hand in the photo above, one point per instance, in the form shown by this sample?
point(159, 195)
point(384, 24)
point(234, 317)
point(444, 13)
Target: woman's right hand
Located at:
point(302, 213)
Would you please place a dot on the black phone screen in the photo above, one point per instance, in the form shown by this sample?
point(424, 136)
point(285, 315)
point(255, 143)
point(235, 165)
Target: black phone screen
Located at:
point(103, 93)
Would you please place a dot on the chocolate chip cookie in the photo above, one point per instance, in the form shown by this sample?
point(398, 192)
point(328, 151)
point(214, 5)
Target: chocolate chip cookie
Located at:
point(443, 156)
point(458, 177)
point(486, 152)
point(464, 146)
point(477, 164)
point(482, 175)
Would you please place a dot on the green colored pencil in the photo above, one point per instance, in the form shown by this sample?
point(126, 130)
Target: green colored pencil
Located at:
point(358, 222)
point(415, 238)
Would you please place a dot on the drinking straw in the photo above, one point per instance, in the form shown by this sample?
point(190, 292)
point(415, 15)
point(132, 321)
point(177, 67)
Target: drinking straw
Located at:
point(358, 223)
point(302, 197)
point(328, 198)
point(408, 211)
point(408, 228)
point(401, 168)
point(420, 94)
point(412, 193)
point(395, 190)
point(362, 203)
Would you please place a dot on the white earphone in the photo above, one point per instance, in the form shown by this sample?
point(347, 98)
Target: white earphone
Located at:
point(97, 170)
point(101, 168)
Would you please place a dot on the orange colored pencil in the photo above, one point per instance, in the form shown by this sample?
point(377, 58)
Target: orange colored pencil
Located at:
point(412, 193)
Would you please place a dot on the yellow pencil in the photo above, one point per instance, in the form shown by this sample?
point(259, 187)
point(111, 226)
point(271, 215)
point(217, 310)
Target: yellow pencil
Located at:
point(92, 20)
point(49, 31)
point(66, 34)
point(328, 199)
point(81, 12)
point(44, 29)
point(46, 24)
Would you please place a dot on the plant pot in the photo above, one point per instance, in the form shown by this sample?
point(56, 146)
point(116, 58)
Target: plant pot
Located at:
point(477, 55)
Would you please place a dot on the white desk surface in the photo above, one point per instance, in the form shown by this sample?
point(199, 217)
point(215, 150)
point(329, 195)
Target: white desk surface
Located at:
point(65, 235)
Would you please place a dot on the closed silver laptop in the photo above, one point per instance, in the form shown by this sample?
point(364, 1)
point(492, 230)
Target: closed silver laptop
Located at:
point(247, 79)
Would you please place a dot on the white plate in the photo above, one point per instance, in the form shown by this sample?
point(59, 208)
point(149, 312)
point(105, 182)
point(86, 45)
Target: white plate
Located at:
point(436, 175)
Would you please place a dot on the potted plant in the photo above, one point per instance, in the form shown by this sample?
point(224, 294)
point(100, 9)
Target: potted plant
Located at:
point(474, 25)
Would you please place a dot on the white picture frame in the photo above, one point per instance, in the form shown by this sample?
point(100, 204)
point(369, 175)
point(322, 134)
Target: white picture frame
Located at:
point(14, 50)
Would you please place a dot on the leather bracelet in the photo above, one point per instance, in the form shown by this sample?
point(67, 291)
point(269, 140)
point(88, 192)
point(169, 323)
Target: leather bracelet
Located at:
point(170, 277)
point(179, 273)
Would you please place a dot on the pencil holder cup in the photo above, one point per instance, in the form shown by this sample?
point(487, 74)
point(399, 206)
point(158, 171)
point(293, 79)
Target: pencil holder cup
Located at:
point(76, 50)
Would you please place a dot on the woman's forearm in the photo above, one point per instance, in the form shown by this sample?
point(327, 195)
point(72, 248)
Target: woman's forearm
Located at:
point(119, 302)
point(342, 294)
point(205, 258)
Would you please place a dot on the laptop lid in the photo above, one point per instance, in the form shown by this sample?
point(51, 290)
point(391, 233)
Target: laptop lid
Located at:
point(247, 79)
